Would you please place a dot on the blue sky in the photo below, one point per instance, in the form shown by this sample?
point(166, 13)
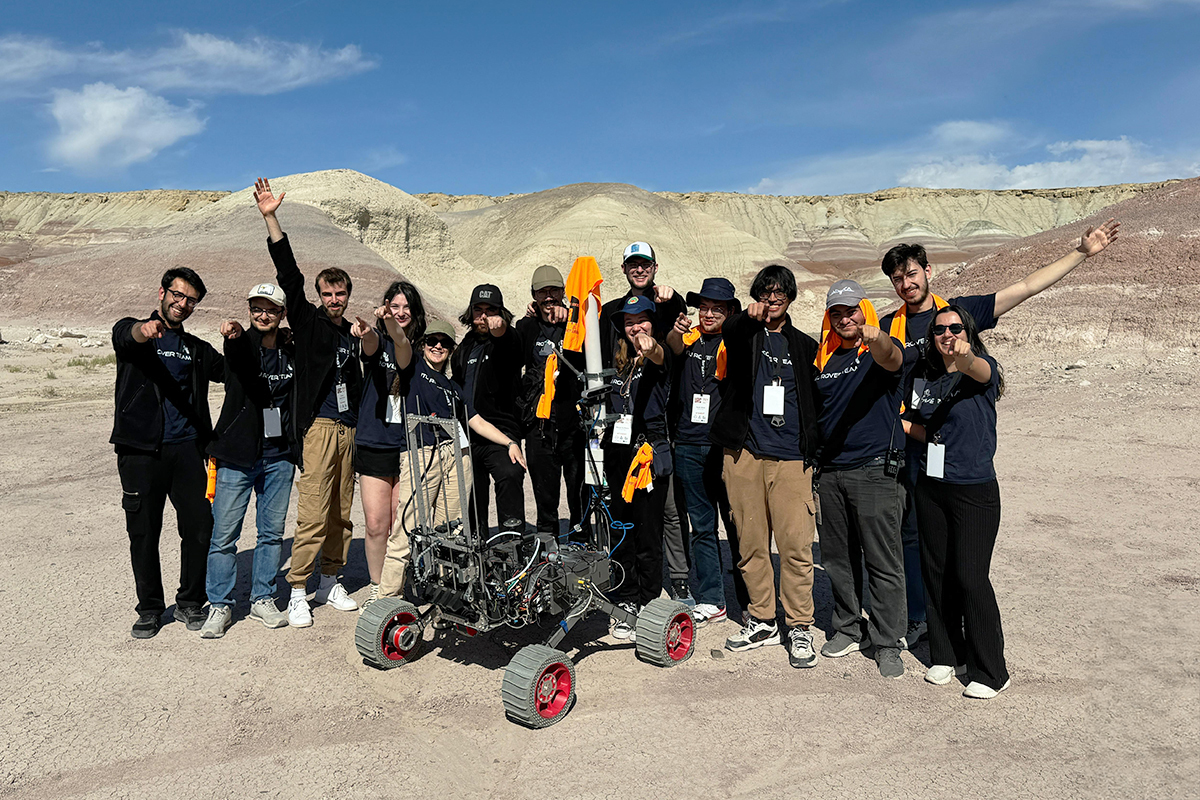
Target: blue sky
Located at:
point(773, 97)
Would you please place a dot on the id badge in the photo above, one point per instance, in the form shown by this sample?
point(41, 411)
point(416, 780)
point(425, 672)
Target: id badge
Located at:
point(623, 429)
point(395, 412)
point(272, 423)
point(773, 400)
point(700, 408)
point(463, 442)
point(935, 460)
point(343, 398)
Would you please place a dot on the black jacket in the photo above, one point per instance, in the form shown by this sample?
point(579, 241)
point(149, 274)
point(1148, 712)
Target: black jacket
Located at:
point(238, 437)
point(567, 387)
point(665, 315)
point(743, 343)
point(498, 380)
point(316, 340)
point(143, 381)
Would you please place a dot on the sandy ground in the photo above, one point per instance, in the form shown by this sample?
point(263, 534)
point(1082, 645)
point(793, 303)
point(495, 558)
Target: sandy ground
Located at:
point(1097, 572)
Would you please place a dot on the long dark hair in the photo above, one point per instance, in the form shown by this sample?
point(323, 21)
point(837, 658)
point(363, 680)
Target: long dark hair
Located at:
point(934, 365)
point(416, 309)
point(467, 317)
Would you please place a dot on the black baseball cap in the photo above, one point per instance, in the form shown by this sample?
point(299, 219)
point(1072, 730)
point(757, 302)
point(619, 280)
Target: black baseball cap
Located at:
point(487, 293)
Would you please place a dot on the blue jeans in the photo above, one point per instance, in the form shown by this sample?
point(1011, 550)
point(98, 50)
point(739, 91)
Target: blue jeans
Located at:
point(272, 482)
point(699, 471)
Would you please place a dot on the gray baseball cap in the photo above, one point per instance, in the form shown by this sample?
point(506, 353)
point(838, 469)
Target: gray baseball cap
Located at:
point(844, 293)
point(547, 276)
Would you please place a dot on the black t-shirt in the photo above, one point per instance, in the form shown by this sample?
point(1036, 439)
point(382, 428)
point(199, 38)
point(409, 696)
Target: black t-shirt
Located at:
point(474, 361)
point(538, 340)
point(665, 315)
point(379, 373)
point(766, 439)
point(959, 413)
point(278, 371)
point(643, 393)
point(432, 394)
point(347, 349)
point(697, 375)
point(176, 357)
point(860, 415)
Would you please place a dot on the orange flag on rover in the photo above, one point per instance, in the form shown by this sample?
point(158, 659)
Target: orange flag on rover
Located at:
point(583, 287)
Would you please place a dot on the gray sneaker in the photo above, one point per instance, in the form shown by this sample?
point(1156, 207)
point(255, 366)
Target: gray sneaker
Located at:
point(266, 612)
point(800, 649)
point(840, 645)
point(218, 620)
point(890, 665)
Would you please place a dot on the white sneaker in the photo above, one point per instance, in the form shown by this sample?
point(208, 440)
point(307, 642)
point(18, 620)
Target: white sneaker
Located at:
point(704, 613)
point(266, 612)
point(335, 596)
point(218, 620)
point(981, 691)
point(299, 615)
point(622, 629)
point(371, 598)
point(941, 674)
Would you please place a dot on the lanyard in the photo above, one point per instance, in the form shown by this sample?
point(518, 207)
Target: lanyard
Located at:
point(773, 358)
point(282, 376)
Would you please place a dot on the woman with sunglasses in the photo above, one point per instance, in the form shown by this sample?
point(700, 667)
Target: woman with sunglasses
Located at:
point(953, 410)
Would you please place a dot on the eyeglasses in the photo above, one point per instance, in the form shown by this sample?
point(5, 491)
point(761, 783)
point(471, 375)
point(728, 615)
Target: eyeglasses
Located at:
point(775, 294)
point(258, 311)
point(440, 341)
point(954, 327)
point(187, 300)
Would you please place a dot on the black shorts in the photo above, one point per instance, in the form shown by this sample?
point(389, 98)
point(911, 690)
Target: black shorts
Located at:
point(378, 462)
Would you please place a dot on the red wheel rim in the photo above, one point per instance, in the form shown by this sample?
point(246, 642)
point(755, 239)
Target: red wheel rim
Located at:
point(398, 632)
point(552, 690)
point(680, 633)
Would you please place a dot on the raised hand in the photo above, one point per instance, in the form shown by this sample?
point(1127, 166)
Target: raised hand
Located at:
point(360, 328)
point(231, 329)
point(267, 202)
point(1096, 239)
point(757, 311)
point(496, 325)
point(644, 344)
point(683, 324)
point(531, 309)
point(961, 350)
point(153, 329)
point(558, 314)
point(382, 312)
point(663, 293)
point(870, 334)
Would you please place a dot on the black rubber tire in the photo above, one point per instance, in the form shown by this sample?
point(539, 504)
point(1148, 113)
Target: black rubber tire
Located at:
point(373, 635)
point(532, 690)
point(666, 632)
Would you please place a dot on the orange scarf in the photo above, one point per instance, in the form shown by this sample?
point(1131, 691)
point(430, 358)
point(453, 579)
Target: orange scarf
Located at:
point(692, 336)
point(642, 460)
point(900, 319)
point(547, 398)
point(210, 491)
point(830, 341)
point(583, 287)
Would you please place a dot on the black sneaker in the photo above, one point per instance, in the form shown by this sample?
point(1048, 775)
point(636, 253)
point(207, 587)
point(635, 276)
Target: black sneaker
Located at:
point(681, 591)
point(147, 626)
point(193, 617)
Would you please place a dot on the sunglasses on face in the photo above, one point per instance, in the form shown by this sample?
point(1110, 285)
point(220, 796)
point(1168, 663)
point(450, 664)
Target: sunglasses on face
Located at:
point(440, 341)
point(954, 327)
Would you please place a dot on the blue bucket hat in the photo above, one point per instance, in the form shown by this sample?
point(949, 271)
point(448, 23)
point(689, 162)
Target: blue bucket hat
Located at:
point(634, 305)
point(715, 289)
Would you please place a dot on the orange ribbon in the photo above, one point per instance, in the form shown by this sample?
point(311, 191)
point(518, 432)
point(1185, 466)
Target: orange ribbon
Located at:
point(642, 461)
point(210, 491)
point(690, 338)
point(830, 341)
point(900, 318)
point(547, 398)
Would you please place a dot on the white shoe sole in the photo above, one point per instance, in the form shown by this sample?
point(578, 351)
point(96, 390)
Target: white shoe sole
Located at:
point(957, 672)
point(979, 691)
point(279, 623)
point(855, 647)
point(743, 646)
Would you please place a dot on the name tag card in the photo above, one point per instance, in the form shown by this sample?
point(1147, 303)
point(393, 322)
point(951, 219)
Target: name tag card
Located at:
point(623, 430)
point(463, 441)
point(773, 400)
point(935, 460)
point(343, 398)
point(395, 412)
point(272, 423)
point(700, 408)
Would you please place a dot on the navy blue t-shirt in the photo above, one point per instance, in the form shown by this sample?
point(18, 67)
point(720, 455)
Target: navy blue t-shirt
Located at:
point(277, 370)
point(379, 374)
point(643, 393)
point(432, 394)
point(765, 439)
point(178, 360)
point(698, 376)
point(980, 306)
point(860, 416)
point(347, 349)
point(968, 429)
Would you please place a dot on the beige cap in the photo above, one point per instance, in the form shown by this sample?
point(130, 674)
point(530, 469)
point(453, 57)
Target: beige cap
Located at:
point(547, 276)
point(269, 291)
point(440, 327)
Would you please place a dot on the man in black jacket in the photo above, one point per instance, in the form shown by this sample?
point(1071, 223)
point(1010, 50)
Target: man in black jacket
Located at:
point(554, 440)
point(767, 424)
point(324, 414)
point(160, 428)
point(487, 364)
point(254, 452)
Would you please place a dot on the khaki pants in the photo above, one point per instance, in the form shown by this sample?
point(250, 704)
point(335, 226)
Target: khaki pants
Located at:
point(325, 493)
point(440, 487)
point(772, 497)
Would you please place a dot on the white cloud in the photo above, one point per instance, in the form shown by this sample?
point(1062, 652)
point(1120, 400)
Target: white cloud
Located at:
point(102, 128)
point(383, 158)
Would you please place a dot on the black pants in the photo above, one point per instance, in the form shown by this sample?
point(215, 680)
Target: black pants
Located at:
point(555, 456)
point(490, 462)
point(147, 479)
point(958, 524)
point(640, 552)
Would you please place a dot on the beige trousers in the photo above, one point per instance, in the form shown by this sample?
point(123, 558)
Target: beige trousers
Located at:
point(769, 497)
point(325, 493)
point(440, 487)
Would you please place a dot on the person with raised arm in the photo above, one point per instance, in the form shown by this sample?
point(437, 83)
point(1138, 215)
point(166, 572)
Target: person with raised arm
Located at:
point(328, 392)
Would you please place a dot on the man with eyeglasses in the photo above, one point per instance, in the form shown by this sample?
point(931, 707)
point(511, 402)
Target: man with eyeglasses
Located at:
point(640, 266)
point(161, 426)
point(550, 389)
point(767, 425)
point(328, 388)
point(907, 266)
point(255, 452)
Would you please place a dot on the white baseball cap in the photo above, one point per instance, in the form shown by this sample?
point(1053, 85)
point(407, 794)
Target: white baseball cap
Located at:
point(269, 291)
point(639, 250)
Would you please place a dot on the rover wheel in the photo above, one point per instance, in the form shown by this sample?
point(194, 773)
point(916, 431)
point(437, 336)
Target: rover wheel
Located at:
point(539, 686)
point(665, 632)
point(388, 633)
